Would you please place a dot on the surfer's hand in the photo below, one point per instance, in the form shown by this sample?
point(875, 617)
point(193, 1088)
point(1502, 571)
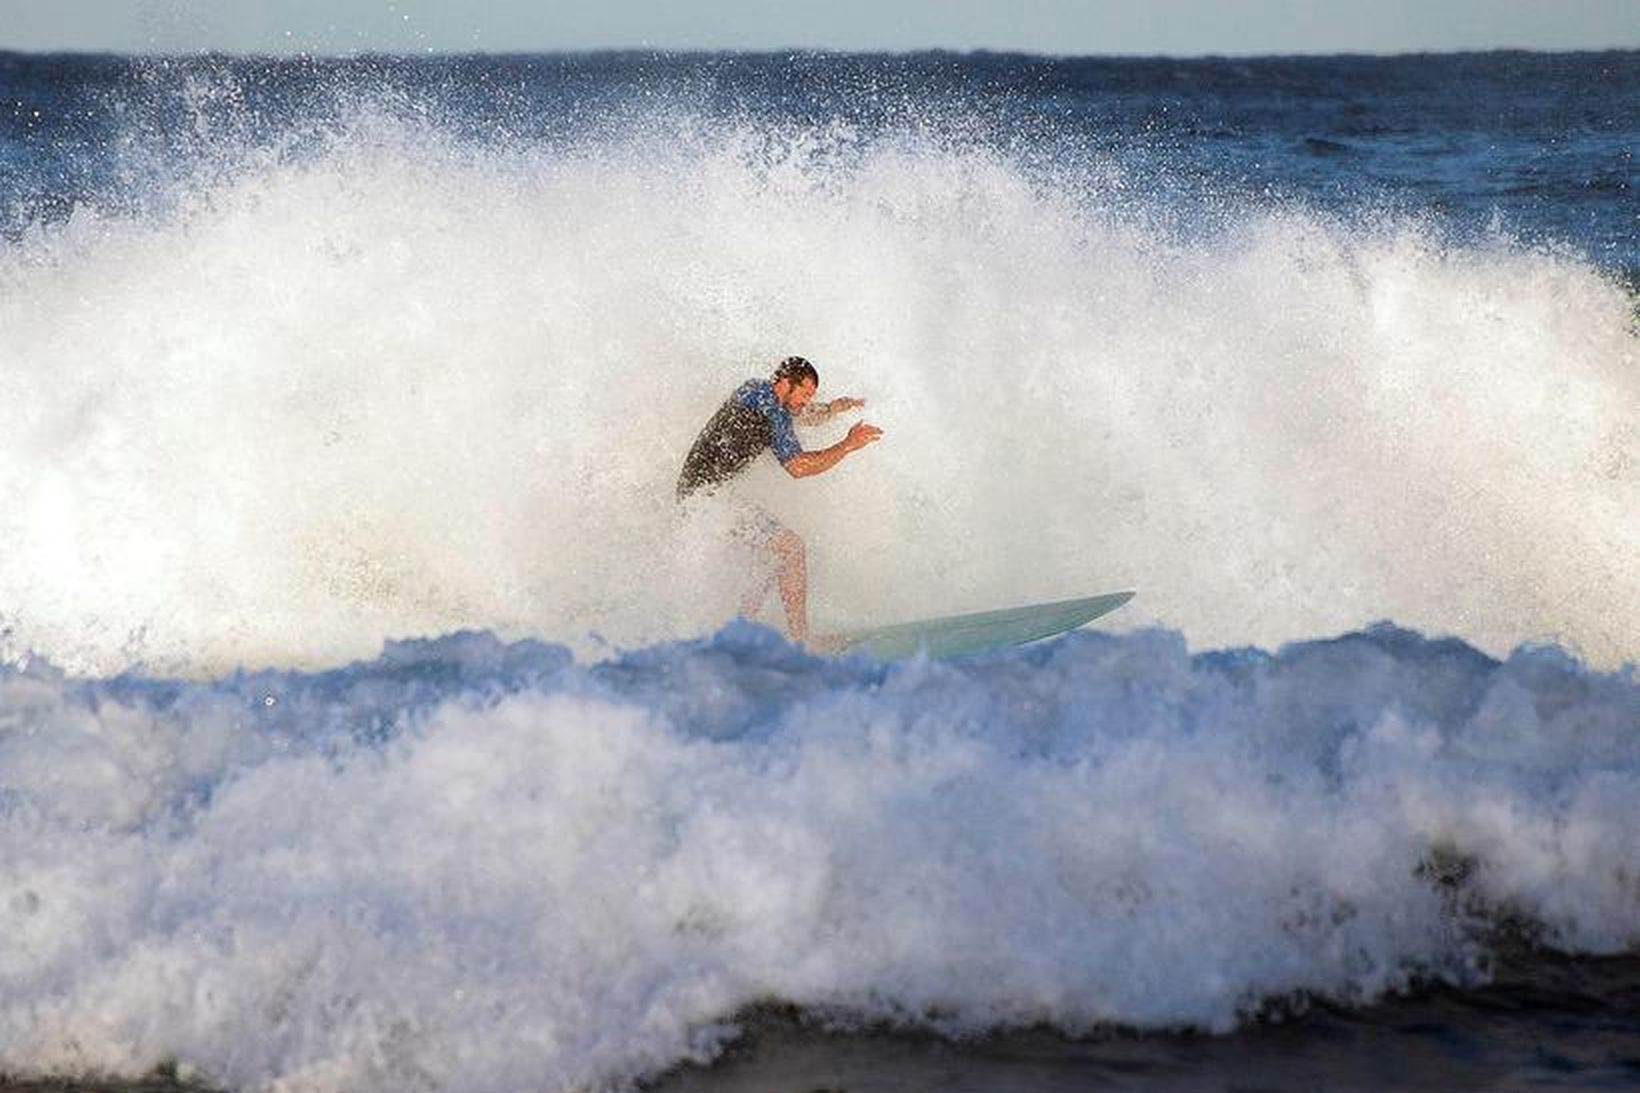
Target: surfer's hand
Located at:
point(838, 405)
point(860, 434)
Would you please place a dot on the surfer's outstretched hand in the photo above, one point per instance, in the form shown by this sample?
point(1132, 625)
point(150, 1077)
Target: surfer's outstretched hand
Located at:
point(860, 434)
point(838, 405)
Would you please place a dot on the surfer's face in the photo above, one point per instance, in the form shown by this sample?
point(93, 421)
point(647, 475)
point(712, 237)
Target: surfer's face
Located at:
point(794, 396)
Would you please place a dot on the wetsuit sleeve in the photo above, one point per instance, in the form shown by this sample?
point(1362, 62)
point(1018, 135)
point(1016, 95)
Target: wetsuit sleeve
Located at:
point(758, 395)
point(782, 437)
point(782, 434)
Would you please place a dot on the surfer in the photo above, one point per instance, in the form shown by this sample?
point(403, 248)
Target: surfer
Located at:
point(759, 417)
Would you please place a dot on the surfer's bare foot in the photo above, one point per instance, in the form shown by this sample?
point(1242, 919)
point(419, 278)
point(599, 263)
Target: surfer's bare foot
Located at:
point(824, 643)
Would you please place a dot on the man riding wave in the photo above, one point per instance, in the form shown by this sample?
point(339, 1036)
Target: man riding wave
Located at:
point(760, 416)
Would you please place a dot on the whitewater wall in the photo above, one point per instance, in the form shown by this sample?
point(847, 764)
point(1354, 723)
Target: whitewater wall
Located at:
point(400, 384)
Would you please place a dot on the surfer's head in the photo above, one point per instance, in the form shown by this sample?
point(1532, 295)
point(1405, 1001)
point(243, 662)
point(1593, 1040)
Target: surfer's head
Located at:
point(795, 382)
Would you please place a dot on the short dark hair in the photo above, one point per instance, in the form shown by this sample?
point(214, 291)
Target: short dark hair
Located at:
point(797, 370)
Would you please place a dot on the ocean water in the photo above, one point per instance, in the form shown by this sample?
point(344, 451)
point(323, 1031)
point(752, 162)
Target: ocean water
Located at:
point(370, 721)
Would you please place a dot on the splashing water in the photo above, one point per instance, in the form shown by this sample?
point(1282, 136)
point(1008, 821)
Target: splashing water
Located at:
point(401, 386)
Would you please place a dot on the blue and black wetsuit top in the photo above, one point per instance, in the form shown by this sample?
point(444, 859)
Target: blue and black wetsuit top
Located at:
point(750, 423)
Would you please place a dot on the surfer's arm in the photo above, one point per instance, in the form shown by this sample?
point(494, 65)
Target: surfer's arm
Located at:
point(803, 464)
point(818, 413)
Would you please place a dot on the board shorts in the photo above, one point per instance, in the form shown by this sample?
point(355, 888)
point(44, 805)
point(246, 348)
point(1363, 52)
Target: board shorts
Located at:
point(746, 521)
point(754, 525)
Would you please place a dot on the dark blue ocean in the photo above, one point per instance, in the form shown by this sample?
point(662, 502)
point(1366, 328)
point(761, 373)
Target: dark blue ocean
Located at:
point(373, 719)
point(1536, 146)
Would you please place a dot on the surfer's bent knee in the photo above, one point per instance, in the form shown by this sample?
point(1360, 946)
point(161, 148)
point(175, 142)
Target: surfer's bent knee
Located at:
point(787, 543)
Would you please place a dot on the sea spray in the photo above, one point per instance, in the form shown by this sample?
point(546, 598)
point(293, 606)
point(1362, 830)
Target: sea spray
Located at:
point(393, 383)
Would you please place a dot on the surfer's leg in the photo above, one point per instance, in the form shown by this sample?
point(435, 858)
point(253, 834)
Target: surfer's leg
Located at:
point(758, 591)
point(791, 568)
point(758, 529)
point(791, 559)
point(779, 544)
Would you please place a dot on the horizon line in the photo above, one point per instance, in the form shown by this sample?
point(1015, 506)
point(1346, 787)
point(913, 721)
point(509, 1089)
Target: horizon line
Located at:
point(806, 51)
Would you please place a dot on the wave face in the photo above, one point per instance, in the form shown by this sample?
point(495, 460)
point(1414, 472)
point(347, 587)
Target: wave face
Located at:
point(282, 388)
point(479, 866)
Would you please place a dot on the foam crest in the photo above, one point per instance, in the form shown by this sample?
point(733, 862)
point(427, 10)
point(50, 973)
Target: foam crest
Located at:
point(394, 384)
point(473, 866)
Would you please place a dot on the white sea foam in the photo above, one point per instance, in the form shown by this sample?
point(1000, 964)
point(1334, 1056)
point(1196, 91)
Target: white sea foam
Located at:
point(472, 867)
point(396, 387)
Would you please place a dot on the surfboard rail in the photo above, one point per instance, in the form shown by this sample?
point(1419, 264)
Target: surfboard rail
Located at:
point(955, 635)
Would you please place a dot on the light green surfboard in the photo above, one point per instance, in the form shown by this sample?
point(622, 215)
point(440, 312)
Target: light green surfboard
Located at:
point(955, 635)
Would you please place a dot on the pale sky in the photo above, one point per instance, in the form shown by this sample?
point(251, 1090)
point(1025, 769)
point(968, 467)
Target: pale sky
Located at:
point(1038, 26)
